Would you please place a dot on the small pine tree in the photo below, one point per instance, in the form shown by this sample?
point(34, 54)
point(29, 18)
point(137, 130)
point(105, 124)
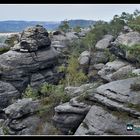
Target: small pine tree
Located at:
point(64, 26)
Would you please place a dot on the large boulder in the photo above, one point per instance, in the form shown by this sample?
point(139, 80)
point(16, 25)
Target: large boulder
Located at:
point(21, 108)
point(21, 118)
point(17, 67)
point(116, 70)
point(84, 58)
point(22, 67)
point(69, 115)
point(99, 57)
point(104, 43)
point(34, 38)
point(129, 39)
point(62, 40)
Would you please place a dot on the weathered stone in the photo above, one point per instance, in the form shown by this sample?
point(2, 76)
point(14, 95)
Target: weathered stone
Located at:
point(37, 80)
point(34, 38)
point(99, 66)
point(136, 71)
point(21, 108)
point(8, 94)
point(128, 39)
point(99, 121)
point(117, 95)
point(104, 43)
point(99, 57)
point(68, 116)
point(115, 67)
point(17, 67)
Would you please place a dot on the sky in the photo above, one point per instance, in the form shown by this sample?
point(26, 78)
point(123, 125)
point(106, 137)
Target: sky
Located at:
point(59, 12)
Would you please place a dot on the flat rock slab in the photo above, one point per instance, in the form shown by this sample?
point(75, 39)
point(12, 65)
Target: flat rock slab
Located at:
point(102, 122)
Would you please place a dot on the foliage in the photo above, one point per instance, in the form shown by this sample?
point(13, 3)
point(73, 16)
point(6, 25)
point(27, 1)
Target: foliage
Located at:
point(132, 51)
point(134, 23)
point(47, 89)
point(134, 106)
point(73, 76)
point(77, 29)
point(3, 50)
point(30, 93)
point(55, 97)
point(54, 93)
point(5, 130)
point(75, 47)
point(64, 26)
point(109, 55)
point(61, 68)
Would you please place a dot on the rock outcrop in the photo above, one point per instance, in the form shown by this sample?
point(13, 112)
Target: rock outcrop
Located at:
point(33, 62)
point(116, 70)
point(84, 61)
point(131, 40)
point(104, 43)
point(62, 40)
point(21, 118)
point(117, 107)
point(68, 116)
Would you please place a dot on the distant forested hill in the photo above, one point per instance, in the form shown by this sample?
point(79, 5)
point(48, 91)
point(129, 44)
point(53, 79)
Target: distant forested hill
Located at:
point(17, 26)
point(81, 23)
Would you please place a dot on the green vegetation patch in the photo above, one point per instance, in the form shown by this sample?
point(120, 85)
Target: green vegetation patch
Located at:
point(3, 50)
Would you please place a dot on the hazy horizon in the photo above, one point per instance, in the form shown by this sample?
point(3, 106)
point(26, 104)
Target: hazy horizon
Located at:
point(60, 12)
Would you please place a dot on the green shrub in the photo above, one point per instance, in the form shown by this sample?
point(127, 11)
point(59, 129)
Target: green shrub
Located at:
point(5, 130)
point(47, 89)
point(109, 55)
point(54, 94)
point(30, 93)
point(3, 50)
point(134, 106)
point(73, 76)
point(55, 97)
point(64, 26)
point(61, 68)
point(77, 29)
point(133, 52)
